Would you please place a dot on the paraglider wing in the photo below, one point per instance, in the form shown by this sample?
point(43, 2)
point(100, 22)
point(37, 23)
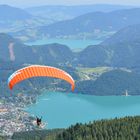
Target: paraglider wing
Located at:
point(39, 71)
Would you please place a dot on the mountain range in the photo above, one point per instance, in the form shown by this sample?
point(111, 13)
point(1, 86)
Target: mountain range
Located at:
point(15, 19)
point(120, 54)
point(13, 13)
point(97, 24)
point(120, 50)
point(60, 12)
point(93, 23)
point(13, 50)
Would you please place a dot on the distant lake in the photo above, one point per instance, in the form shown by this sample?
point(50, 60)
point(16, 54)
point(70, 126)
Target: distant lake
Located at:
point(71, 43)
point(61, 110)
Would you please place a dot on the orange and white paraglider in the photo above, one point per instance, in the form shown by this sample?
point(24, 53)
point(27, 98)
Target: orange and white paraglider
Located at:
point(39, 71)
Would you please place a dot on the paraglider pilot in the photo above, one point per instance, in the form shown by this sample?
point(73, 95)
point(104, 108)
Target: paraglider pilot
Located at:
point(38, 121)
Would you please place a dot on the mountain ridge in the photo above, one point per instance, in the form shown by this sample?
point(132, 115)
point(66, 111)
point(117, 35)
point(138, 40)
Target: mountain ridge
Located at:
point(13, 13)
point(95, 21)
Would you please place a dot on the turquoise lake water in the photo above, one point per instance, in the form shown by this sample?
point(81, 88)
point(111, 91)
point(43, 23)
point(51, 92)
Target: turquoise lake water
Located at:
point(73, 44)
point(61, 110)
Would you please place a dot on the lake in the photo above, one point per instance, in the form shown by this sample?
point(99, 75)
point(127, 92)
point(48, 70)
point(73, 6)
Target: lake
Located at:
point(75, 45)
point(61, 110)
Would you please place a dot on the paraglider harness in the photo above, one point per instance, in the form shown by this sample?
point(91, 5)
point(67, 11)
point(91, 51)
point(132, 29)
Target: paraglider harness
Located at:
point(38, 121)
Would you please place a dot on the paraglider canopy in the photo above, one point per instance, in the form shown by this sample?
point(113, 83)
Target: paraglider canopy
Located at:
point(39, 71)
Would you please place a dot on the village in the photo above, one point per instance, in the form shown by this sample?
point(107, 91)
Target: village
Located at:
point(13, 117)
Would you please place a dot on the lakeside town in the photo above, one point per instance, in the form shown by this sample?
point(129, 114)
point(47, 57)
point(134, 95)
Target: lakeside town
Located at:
point(13, 117)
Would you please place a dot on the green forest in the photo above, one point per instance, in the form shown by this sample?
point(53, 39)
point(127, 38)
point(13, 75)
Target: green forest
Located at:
point(127, 128)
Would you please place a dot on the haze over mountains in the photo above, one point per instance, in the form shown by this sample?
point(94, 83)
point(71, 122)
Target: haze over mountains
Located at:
point(120, 50)
point(27, 25)
point(127, 34)
point(14, 19)
point(12, 13)
point(60, 12)
point(94, 25)
point(109, 52)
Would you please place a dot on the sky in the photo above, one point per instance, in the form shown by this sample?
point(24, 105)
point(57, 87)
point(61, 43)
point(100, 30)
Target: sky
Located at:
point(30, 3)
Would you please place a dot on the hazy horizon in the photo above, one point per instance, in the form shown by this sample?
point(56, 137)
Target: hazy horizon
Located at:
point(32, 3)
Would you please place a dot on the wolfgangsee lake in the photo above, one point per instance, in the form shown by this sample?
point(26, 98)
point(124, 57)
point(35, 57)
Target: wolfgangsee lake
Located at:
point(60, 110)
point(75, 45)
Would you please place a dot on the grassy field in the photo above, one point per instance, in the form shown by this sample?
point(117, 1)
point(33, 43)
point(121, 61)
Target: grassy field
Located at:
point(99, 70)
point(91, 73)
